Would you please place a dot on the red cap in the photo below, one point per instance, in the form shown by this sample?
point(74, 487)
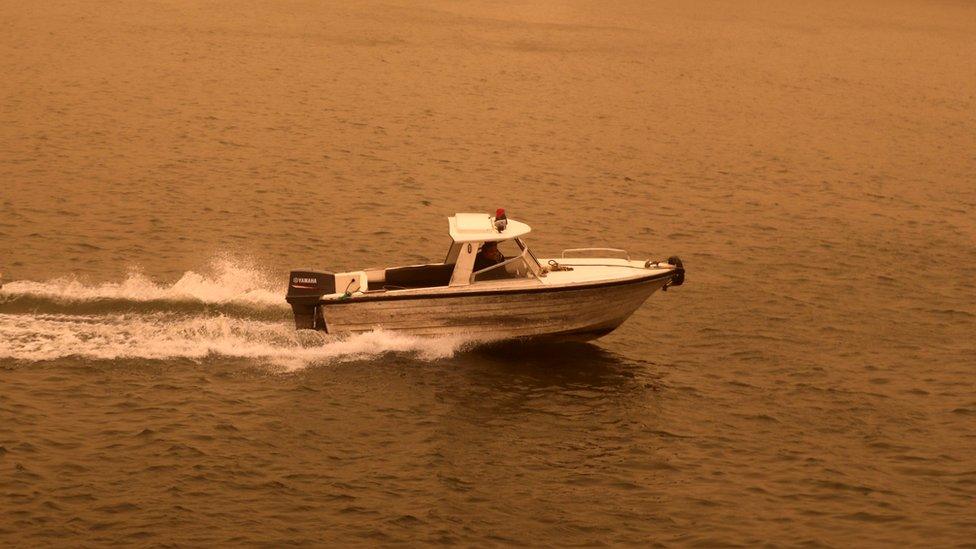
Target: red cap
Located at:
point(500, 213)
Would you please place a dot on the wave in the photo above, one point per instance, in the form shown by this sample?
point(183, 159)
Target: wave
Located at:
point(230, 283)
point(35, 338)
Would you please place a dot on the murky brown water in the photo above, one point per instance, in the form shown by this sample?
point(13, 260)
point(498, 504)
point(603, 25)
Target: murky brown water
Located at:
point(163, 165)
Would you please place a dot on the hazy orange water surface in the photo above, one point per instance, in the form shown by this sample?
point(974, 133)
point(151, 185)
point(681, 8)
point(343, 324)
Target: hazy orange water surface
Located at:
point(163, 165)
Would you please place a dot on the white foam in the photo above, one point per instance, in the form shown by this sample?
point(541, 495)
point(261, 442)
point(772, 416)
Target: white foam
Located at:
point(230, 282)
point(163, 336)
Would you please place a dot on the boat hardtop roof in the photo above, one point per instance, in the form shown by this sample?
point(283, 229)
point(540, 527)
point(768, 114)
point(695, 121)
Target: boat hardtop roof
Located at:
point(480, 227)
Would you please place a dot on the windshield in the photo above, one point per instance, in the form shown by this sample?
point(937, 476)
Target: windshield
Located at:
point(505, 260)
point(530, 256)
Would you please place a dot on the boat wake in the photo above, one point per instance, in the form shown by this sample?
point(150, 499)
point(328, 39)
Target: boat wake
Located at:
point(231, 310)
point(227, 286)
point(162, 336)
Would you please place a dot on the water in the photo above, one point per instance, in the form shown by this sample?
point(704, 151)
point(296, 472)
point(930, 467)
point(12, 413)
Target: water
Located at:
point(162, 168)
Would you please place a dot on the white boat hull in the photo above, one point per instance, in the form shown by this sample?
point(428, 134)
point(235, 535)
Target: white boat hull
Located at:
point(583, 312)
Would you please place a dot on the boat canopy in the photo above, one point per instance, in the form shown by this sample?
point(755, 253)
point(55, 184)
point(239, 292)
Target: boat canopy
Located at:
point(479, 227)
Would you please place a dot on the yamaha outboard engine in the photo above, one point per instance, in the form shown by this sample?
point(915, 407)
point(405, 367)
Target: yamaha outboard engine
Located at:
point(304, 290)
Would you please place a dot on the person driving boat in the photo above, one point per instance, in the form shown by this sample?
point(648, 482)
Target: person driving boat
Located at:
point(488, 255)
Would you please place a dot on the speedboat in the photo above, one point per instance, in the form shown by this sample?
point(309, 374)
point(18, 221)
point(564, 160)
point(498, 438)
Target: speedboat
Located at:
point(508, 294)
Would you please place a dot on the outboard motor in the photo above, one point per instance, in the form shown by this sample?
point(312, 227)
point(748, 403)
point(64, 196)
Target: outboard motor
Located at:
point(304, 290)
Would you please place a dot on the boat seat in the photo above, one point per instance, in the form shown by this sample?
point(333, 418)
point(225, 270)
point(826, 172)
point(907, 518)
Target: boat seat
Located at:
point(420, 276)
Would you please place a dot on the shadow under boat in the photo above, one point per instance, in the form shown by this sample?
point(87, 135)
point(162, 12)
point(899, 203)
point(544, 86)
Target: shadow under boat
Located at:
point(561, 363)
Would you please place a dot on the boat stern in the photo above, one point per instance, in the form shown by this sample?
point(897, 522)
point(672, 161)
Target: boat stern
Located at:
point(305, 290)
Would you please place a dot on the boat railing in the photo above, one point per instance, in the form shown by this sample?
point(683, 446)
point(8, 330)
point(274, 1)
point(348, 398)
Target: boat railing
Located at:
point(574, 251)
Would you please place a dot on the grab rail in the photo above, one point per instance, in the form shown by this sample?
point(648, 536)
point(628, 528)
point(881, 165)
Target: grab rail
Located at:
point(616, 250)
